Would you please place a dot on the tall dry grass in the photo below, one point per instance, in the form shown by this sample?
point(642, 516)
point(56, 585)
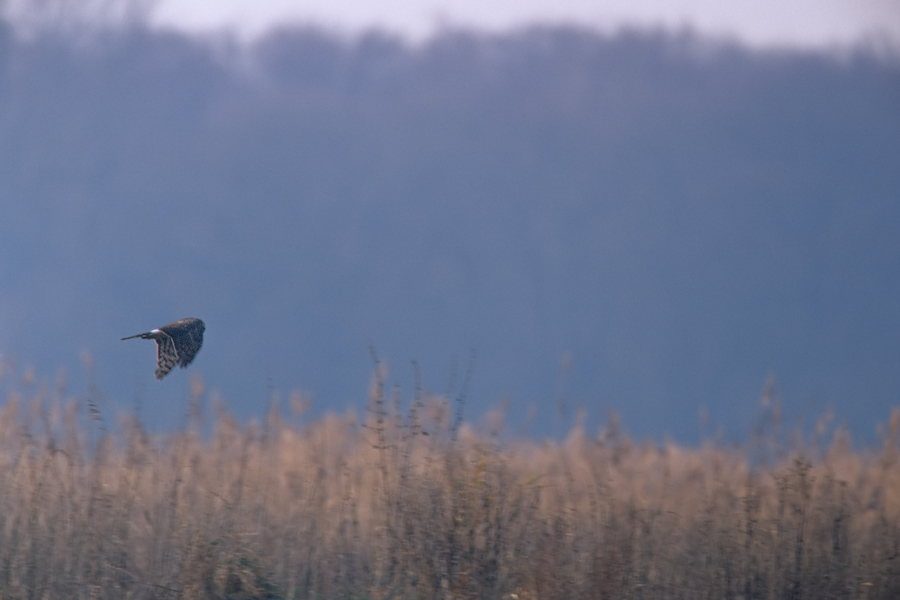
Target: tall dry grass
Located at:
point(415, 505)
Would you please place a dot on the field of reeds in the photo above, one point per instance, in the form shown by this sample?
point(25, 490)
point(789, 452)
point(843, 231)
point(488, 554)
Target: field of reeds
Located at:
point(414, 503)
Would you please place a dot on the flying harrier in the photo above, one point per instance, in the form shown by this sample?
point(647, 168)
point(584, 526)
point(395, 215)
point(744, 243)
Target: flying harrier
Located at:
point(177, 343)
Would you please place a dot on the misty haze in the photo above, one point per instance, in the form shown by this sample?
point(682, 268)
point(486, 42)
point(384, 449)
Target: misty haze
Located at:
point(536, 315)
point(551, 220)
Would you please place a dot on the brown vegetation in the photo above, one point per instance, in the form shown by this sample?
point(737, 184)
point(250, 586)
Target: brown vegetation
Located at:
point(410, 505)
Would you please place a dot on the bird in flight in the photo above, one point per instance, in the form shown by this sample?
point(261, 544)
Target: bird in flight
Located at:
point(177, 343)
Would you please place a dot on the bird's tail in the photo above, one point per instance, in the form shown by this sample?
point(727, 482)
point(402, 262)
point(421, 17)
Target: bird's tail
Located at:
point(140, 335)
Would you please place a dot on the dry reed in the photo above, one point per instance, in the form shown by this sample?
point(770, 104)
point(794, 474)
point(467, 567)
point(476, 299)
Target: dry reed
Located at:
point(416, 505)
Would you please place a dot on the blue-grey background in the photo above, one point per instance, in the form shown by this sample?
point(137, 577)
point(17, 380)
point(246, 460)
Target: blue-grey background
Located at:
point(646, 222)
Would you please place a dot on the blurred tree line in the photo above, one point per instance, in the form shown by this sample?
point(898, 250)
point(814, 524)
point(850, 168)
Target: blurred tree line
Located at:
point(681, 216)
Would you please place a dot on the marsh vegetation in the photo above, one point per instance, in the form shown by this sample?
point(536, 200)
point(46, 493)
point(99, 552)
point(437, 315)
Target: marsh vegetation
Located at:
point(413, 503)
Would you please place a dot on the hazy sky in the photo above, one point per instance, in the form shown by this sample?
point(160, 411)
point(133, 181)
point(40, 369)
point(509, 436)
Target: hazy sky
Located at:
point(804, 22)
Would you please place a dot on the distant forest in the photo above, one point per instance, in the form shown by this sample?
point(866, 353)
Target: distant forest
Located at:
point(649, 223)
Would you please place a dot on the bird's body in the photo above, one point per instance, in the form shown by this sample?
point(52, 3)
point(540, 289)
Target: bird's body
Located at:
point(177, 343)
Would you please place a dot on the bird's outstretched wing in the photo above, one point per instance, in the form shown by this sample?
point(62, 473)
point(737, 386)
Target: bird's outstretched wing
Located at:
point(166, 355)
point(188, 340)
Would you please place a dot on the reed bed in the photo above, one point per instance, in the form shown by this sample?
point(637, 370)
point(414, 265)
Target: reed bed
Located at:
point(415, 504)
